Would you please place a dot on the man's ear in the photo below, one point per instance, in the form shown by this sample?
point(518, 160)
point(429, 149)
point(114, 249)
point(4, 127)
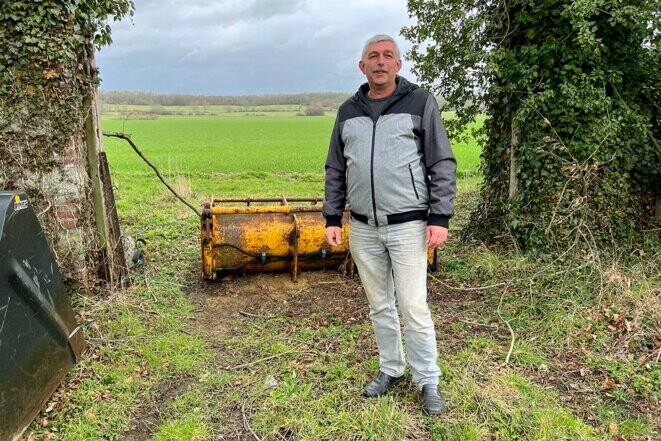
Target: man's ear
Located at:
point(361, 66)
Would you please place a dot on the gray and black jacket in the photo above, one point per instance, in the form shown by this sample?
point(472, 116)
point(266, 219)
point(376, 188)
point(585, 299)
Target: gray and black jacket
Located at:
point(391, 168)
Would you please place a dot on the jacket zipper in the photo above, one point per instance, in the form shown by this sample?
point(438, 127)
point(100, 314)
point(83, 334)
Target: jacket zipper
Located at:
point(374, 121)
point(376, 221)
point(413, 183)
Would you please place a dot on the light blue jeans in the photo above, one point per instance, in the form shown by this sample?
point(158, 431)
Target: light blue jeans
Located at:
point(392, 264)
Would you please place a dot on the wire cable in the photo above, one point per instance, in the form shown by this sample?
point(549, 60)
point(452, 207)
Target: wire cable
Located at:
point(137, 150)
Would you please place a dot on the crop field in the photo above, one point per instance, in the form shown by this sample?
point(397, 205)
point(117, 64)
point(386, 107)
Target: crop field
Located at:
point(247, 155)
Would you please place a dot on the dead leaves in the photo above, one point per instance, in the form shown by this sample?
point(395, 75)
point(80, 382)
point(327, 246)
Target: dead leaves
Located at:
point(607, 384)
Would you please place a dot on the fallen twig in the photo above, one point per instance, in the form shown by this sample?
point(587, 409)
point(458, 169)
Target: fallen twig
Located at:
point(246, 425)
point(478, 324)
point(118, 340)
point(509, 353)
point(249, 314)
point(580, 267)
point(477, 288)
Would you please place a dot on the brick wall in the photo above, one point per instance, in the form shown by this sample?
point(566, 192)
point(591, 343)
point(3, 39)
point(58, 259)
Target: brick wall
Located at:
point(67, 217)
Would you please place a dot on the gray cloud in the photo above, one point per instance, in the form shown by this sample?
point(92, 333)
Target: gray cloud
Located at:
point(234, 47)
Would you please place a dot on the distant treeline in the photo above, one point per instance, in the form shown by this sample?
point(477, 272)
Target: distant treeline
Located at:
point(326, 99)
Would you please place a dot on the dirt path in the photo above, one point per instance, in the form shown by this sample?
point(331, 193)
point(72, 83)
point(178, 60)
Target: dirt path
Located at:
point(270, 295)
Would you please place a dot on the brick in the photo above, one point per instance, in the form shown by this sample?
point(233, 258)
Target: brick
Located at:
point(67, 214)
point(69, 224)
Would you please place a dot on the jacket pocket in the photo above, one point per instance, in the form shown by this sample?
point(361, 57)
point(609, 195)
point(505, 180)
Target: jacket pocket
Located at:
point(417, 196)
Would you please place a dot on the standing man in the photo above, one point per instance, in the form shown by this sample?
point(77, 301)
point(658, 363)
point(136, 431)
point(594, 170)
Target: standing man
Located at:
point(389, 157)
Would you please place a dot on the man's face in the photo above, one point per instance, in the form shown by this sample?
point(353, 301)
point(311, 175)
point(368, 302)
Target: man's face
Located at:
point(380, 64)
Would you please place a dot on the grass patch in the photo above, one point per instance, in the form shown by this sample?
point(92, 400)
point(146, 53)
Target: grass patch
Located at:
point(188, 428)
point(580, 327)
point(508, 405)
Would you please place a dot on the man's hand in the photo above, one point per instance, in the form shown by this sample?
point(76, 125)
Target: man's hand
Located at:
point(334, 236)
point(436, 235)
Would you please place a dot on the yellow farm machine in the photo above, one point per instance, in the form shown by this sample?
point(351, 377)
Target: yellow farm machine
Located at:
point(253, 237)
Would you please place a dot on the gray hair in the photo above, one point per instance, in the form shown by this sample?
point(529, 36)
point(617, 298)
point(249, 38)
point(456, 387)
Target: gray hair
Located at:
point(376, 39)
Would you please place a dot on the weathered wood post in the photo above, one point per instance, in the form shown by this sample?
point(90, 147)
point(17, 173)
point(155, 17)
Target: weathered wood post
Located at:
point(110, 258)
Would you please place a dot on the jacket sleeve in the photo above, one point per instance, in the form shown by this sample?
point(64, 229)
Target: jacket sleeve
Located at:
point(441, 165)
point(335, 187)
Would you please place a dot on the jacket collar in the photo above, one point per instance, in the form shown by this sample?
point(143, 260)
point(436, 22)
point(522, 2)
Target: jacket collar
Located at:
point(404, 86)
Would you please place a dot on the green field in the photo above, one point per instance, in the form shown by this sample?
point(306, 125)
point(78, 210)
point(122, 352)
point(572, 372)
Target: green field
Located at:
point(245, 155)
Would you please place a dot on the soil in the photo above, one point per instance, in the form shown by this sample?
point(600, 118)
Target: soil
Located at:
point(271, 295)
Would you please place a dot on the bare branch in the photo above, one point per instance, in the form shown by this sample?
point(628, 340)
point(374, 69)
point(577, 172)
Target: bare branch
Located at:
point(241, 366)
point(478, 324)
point(248, 314)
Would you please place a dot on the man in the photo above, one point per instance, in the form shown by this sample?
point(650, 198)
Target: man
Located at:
point(389, 157)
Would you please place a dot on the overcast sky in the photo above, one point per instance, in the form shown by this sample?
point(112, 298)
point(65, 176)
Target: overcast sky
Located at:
point(246, 47)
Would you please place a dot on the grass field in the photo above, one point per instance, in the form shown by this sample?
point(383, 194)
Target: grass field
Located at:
point(238, 156)
point(530, 349)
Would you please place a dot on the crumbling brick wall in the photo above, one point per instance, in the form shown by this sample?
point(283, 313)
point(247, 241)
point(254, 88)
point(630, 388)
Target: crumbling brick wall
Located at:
point(59, 189)
point(68, 187)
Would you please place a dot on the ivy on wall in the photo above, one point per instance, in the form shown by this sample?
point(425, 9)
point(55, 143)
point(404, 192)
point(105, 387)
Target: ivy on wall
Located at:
point(45, 46)
point(571, 93)
point(47, 80)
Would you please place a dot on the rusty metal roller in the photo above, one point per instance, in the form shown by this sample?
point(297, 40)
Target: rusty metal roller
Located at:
point(268, 238)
